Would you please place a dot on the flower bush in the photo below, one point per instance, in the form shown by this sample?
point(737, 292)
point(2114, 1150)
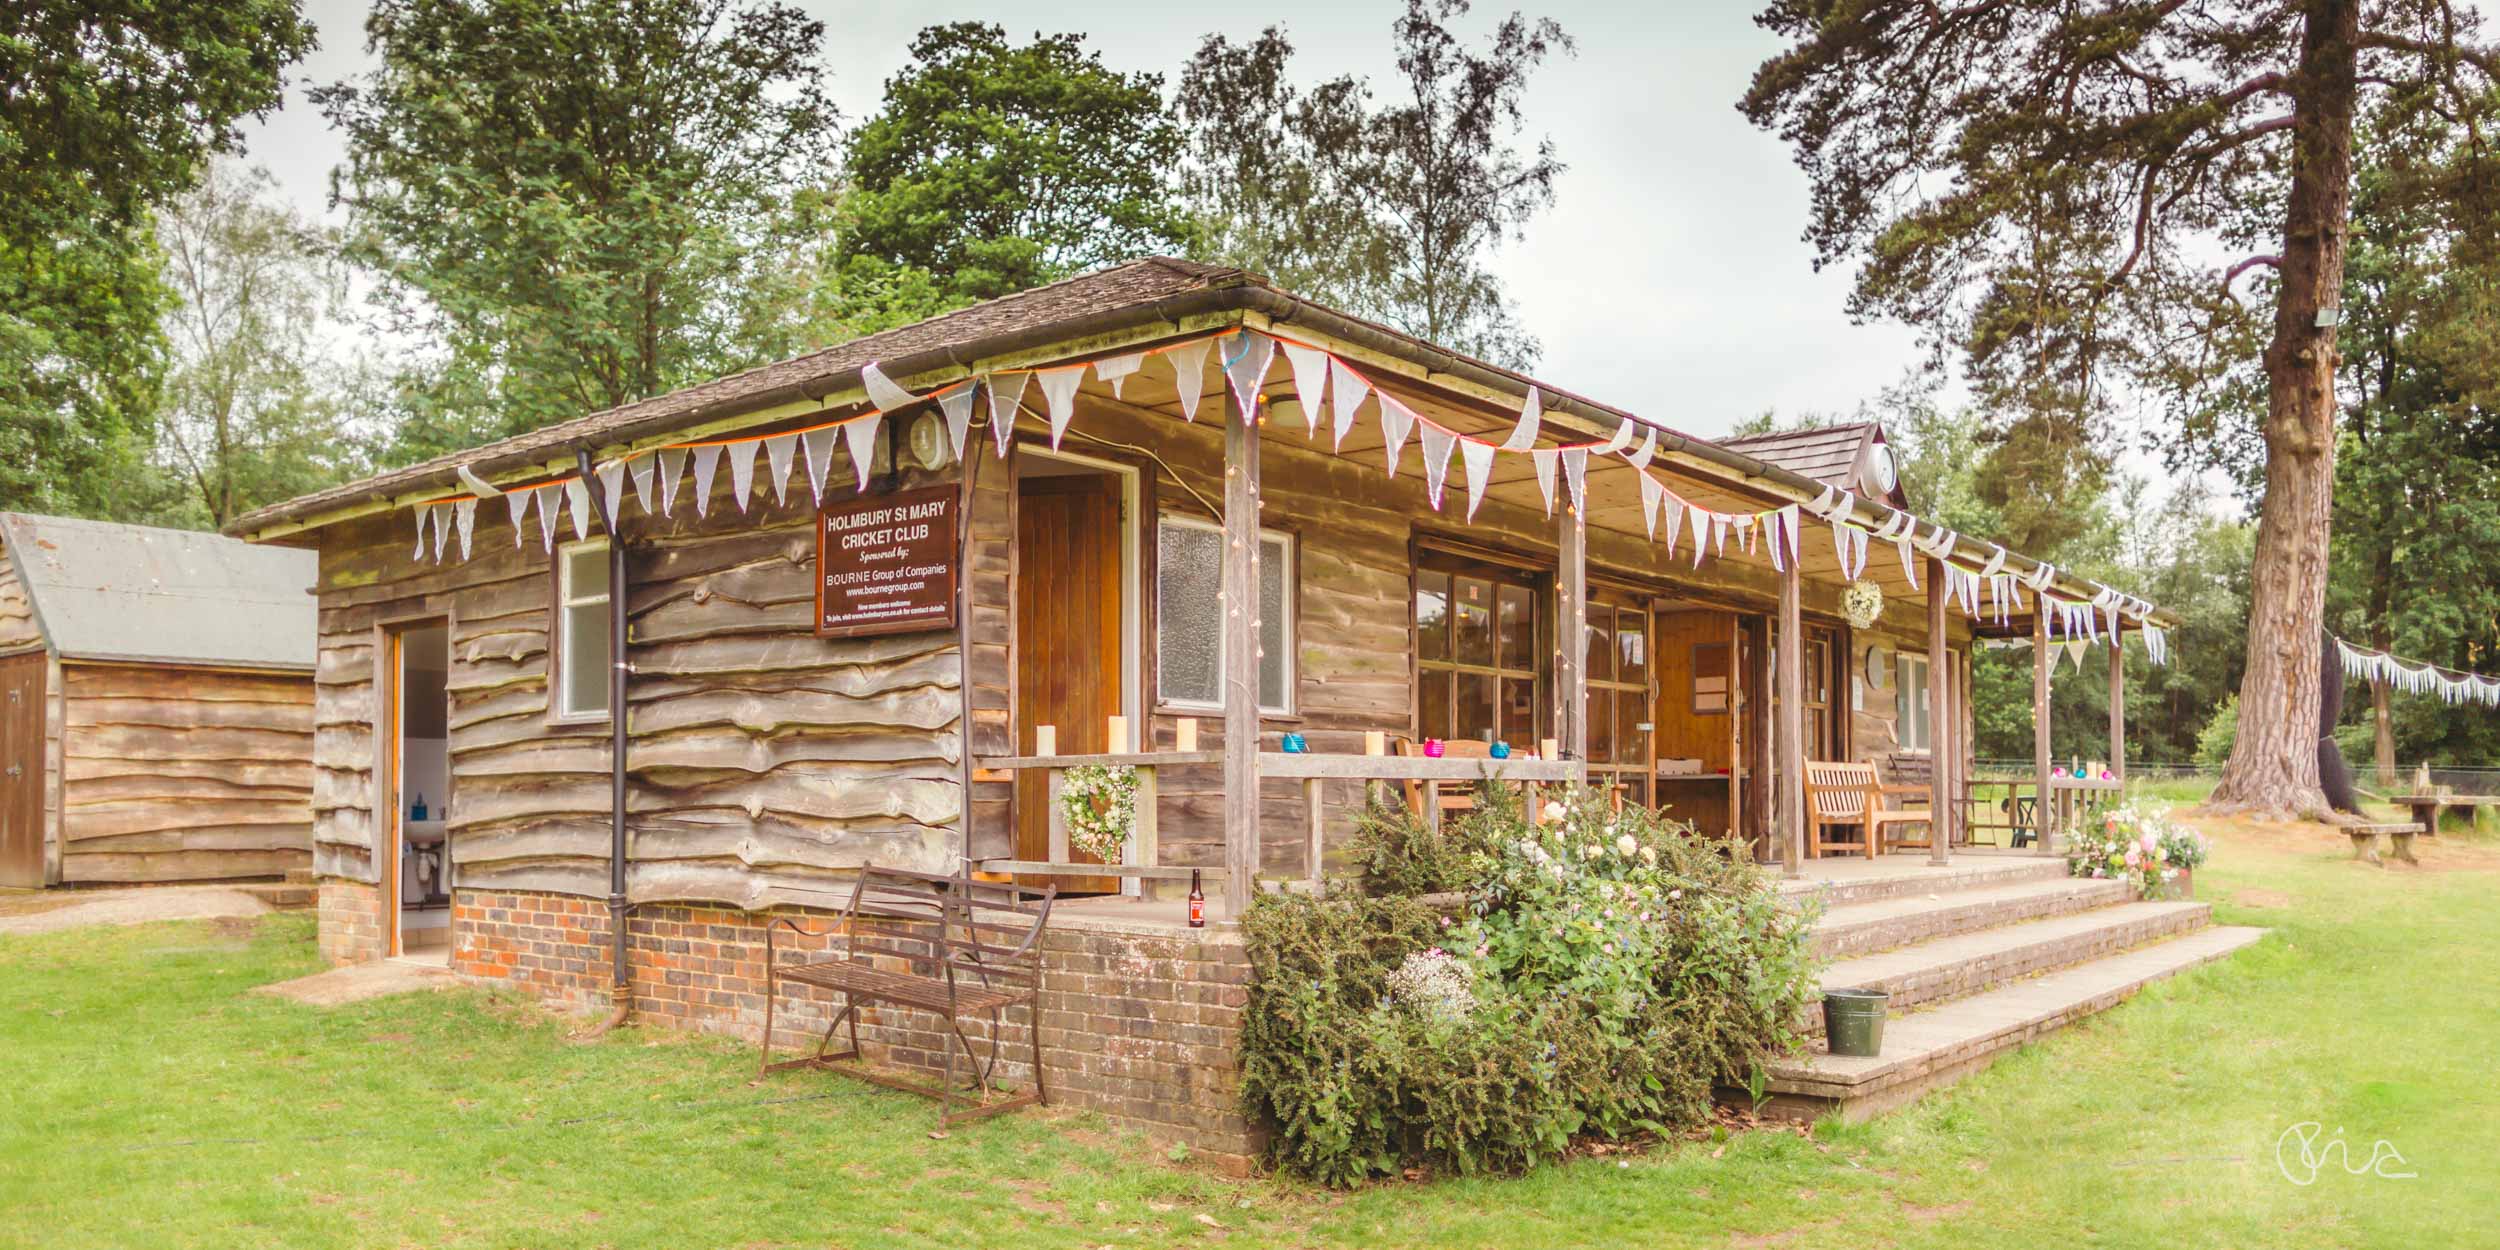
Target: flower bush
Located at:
point(1602, 975)
point(2137, 842)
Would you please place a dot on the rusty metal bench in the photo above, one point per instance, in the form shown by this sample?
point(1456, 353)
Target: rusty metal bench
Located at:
point(951, 946)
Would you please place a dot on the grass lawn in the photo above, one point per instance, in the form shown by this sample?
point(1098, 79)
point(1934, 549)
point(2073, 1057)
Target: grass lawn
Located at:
point(151, 1102)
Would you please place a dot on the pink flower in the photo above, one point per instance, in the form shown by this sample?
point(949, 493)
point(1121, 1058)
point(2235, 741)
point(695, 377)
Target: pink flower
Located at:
point(2150, 843)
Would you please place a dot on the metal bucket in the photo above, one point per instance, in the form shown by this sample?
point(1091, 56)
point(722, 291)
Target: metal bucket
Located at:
point(1853, 1021)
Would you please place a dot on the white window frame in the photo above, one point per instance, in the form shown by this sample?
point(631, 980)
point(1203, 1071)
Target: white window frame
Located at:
point(1291, 556)
point(566, 600)
point(1902, 690)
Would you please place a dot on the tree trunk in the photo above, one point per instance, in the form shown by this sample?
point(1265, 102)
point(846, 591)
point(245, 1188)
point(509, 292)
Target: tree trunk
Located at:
point(2383, 749)
point(2273, 770)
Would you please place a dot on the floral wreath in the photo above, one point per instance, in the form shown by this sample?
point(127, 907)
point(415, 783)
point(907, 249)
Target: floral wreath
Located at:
point(1862, 603)
point(1099, 802)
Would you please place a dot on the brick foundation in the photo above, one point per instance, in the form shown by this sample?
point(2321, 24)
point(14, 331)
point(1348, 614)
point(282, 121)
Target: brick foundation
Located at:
point(350, 921)
point(1139, 1021)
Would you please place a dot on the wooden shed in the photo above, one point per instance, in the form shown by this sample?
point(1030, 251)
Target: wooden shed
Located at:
point(158, 717)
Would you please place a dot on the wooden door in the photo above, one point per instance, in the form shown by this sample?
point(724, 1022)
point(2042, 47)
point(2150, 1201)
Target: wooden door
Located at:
point(1068, 671)
point(21, 770)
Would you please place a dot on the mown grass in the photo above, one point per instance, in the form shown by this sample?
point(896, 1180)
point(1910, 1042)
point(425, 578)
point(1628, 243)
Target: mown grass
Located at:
point(154, 1103)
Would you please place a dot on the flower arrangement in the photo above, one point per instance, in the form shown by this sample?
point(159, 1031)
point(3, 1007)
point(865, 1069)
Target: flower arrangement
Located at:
point(1435, 985)
point(1862, 603)
point(2140, 844)
point(1100, 804)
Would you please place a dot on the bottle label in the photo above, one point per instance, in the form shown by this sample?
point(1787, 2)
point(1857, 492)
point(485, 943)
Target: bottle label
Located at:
point(1197, 913)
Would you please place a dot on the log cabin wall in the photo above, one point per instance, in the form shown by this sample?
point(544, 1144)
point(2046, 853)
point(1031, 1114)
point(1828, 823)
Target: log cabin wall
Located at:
point(183, 774)
point(21, 632)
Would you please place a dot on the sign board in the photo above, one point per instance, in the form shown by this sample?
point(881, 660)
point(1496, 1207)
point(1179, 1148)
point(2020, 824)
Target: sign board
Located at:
point(885, 564)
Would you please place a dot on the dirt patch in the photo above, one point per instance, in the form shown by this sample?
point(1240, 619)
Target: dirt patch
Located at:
point(359, 982)
point(148, 906)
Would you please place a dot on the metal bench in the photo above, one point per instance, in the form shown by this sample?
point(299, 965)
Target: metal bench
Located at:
point(2400, 837)
point(947, 945)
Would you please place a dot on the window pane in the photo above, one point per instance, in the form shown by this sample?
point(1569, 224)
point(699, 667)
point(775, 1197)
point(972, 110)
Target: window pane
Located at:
point(1475, 708)
point(1519, 712)
point(1475, 621)
point(1432, 698)
point(1432, 616)
point(586, 658)
point(1601, 726)
point(1518, 627)
point(1189, 579)
point(1631, 745)
point(586, 573)
point(1601, 653)
point(1632, 649)
point(1636, 789)
point(1275, 648)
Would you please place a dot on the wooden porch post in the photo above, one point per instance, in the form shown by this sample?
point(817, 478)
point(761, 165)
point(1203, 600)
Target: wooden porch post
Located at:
point(1571, 629)
point(1940, 770)
point(1241, 657)
point(2117, 705)
point(1791, 768)
point(2044, 805)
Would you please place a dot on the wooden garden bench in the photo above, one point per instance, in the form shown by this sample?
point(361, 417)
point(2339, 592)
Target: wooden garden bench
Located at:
point(2428, 807)
point(1849, 795)
point(951, 946)
point(2400, 837)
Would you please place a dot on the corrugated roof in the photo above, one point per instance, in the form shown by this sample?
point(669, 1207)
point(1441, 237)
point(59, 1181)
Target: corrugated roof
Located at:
point(103, 591)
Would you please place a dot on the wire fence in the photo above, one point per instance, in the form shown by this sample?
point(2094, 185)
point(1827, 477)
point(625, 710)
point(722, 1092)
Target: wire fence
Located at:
point(2458, 780)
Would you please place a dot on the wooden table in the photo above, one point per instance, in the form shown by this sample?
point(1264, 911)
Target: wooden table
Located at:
point(2427, 807)
point(2068, 795)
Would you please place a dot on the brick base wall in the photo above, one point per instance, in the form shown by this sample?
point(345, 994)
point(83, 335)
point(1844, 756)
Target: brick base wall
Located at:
point(350, 921)
point(1139, 1021)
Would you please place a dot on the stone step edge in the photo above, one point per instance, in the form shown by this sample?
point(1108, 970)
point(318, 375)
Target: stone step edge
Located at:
point(2030, 948)
point(1845, 934)
point(1979, 873)
point(2091, 988)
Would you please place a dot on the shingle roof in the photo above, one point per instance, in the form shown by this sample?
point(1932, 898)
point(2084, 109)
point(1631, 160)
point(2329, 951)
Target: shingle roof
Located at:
point(1827, 454)
point(103, 591)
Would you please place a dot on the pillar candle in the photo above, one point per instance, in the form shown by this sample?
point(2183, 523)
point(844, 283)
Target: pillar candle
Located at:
point(1118, 735)
point(1046, 740)
point(1185, 734)
point(1375, 743)
point(1549, 749)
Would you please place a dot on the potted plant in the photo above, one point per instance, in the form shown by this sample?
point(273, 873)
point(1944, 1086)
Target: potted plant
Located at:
point(2140, 844)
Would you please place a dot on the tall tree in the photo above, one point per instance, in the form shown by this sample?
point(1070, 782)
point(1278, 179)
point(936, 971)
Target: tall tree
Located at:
point(1432, 177)
point(994, 167)
point(576, 199)
point(253, 409)
point(107, 109)
point(2038, 183)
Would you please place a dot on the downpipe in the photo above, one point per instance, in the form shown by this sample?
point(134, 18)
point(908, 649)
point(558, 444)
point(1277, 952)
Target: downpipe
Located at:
point(619, 909)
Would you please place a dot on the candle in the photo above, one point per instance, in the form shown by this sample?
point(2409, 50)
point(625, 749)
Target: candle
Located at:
point(1046, 740)
point(1118, 735)
point(1547, 748)
point(1375, 743)
point(1185, 734)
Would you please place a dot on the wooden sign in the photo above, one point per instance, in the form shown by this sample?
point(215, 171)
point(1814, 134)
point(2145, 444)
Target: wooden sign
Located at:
point(885, 564)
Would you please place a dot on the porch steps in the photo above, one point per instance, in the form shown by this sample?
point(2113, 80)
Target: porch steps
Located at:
point(1942, 968)
point(1861, 928)
point(1970, 872)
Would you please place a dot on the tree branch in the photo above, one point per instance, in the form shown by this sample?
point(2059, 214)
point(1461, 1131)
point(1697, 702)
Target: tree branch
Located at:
point(2232, 274)
point(2480, 58)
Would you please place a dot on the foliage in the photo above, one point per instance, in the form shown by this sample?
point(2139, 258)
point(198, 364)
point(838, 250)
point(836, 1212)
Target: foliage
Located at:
point(107, 111)
point(1618, 968)
point(994, 167)
point(2137, 843)
point(580, 239)
point(2219, 733)
point(1388, 210)
point(1394, 851)
point(1099, 804)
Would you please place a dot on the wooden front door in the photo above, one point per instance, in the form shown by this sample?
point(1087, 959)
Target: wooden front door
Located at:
point(1068, 671)
point(21, 770)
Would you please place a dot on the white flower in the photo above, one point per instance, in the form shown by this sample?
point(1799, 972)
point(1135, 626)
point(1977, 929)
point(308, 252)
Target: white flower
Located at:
point(1675, 893)
point(1627, 845)
point(1649, 855)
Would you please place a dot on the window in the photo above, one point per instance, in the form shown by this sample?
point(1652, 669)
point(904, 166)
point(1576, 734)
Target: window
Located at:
point(1189, 614)
point(1618, 680)
point(582, 656)
point(1915, 724)
point(1478, 660)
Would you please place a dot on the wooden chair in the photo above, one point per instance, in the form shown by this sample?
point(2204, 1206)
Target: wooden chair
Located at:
point(1913, 773)
point(1848, 795)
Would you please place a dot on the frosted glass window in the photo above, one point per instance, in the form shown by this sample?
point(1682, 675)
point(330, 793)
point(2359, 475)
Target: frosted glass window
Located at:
point(1189, 614)
point(582, 619)
point(1910, 692)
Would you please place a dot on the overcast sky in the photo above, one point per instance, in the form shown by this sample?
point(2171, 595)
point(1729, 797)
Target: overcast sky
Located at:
point(1669, 278)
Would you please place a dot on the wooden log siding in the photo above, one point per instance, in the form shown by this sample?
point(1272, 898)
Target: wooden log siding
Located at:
point(177, 774)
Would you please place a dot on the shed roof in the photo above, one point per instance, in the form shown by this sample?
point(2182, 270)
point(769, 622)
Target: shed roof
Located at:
point(106, 591)
point(1834, 455)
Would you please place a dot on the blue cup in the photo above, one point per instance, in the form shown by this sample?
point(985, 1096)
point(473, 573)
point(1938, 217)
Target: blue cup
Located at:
point(1500, 750)
point(1294, 744)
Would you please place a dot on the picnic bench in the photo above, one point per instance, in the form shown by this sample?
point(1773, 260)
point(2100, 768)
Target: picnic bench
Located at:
point(2399, 835)
point(951, 946)
point(1848, 795)
point(2427, 808)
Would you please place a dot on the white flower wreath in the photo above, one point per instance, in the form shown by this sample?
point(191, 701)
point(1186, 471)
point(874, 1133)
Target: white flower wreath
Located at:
point(1862, 603)
point(1100, 804)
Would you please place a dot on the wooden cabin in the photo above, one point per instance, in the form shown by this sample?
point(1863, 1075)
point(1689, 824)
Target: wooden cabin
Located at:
point(158, 726)
point(875, 599)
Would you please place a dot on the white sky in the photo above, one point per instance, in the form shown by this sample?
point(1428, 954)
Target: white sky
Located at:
point(1669, 278)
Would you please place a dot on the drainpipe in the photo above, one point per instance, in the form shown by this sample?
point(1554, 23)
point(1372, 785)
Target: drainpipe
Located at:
point(618, 908)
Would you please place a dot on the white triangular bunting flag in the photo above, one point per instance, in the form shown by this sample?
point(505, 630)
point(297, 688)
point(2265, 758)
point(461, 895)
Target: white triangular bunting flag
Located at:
point(1346, 389)
point(465, 512)
point(550, 499)
point(781, 451)
point(1576, 476)
point(1310, 377)
point(1478, 458)
point(1771, 521)
point(1115, 369)
point(819, 445)
point(1544, 458)
point(442, 530)
point(1059, 399)
point(957, 405)
point(1006, 397)
point(612, 488)
point(1246, 357)
point(1617, 441)
point(706, 465)
point(1531, 416)
point(1396, 422)
point(577, 506)
point(742, 472)
point(859, 437)
point(883, 394)
point(1189, 374)
point(1437, 443)
point(1788, 527)
point(672, 474)
point(642, 484)
point(424, 518)
point(1701, 532)
point(1653, 495)
point(1673, 507)
point(519, 502)
point(1649, 447)
point(1909, 571)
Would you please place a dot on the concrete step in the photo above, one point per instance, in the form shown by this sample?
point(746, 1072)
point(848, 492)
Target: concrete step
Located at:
point(1971, 963)
point(1839, 882)
point(1862, 928)
point(283, 895)
point(1927, 1050)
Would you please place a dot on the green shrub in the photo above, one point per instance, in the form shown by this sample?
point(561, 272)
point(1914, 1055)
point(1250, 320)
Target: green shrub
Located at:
point(2221, 731)
point(1617, 968)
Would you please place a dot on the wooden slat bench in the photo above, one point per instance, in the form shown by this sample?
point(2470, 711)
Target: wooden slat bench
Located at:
point(948, 945)
point(1847, 794)
point(2365, 841)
